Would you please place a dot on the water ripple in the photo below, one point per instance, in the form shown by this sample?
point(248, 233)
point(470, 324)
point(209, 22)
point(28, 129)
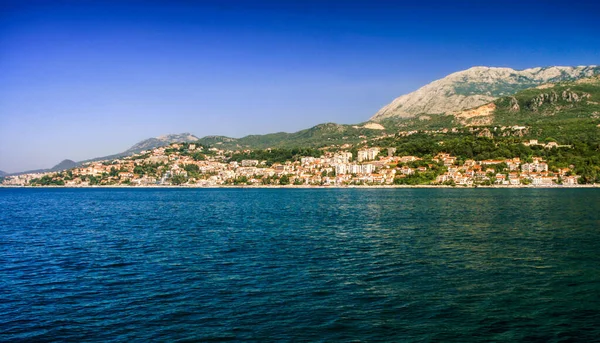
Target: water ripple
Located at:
point(355, 265)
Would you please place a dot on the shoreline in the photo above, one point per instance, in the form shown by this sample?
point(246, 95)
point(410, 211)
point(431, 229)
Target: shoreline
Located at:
point(318, 187)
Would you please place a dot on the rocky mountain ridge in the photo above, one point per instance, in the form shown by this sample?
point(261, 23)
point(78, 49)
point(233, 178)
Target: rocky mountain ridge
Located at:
point(577, 101)
point(63, 165)
point(163, 140)
point(475, 87)
point(146, 144)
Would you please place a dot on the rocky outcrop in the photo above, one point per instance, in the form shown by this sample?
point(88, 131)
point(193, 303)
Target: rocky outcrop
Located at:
point(370, 126)
point(566, 96)
point(476, 86)
point(514, 105)
point(482, 115)
point(517, 131)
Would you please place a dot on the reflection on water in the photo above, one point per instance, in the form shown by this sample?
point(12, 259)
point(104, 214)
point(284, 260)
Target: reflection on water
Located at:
point(306, 265)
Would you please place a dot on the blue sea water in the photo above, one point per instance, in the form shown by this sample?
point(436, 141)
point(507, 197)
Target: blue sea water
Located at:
point(316, 265)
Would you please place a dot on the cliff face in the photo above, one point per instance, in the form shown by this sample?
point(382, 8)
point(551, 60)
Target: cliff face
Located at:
point(552, 103)
point(476, 86)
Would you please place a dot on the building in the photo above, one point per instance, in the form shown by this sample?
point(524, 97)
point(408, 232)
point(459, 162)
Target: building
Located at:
point(406, 159)
point(367, 154)
point(536, 166)
point(343, 157)
point(391, 152)
point(249, 163)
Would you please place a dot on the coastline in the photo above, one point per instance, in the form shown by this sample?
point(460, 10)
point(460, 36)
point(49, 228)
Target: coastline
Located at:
point(316, 187)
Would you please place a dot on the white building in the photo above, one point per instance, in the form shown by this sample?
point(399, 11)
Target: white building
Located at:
point(367, 154)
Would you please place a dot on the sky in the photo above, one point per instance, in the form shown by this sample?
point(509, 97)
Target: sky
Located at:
point(84, 79)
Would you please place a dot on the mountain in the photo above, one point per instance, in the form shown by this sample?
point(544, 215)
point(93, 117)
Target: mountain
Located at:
point(64, 165)
point(566, 108)
point(474, 87)
point(164, 140)
point(316, 136)
point(551, 109)
point(2, 173)
point(480, 96)
point(150, 143)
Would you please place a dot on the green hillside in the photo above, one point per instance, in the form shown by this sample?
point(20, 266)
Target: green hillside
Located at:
point(317, 136)
point(568, 111)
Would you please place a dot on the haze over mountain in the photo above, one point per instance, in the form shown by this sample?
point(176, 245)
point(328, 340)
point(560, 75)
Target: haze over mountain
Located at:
point(149, 143)
point(163, 140)
point(64, 165)
point(474, 87)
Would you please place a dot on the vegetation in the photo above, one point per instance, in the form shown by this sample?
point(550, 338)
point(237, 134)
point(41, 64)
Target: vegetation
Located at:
point(179, 179)
point(272, 156)
point(284, 180)
point(416, 179)
point(149, 169)
point(315, 137)
point(47, 180)
point(583, 156)
point(567, 114)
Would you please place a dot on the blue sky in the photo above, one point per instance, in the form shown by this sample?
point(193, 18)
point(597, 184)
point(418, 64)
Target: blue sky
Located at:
point(82, 79)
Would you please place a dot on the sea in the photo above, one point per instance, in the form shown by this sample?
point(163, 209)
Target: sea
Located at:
point(299, 265)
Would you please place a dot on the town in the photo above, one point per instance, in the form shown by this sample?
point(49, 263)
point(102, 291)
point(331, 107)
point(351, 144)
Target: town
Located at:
point(189, 164)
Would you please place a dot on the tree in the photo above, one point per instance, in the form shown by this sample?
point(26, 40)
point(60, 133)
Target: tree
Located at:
point(284, 180)
point(138, 170)
point(449, 183)
point(198, 156)
point(178, 179)
point(191, 168)
point(240, 180)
